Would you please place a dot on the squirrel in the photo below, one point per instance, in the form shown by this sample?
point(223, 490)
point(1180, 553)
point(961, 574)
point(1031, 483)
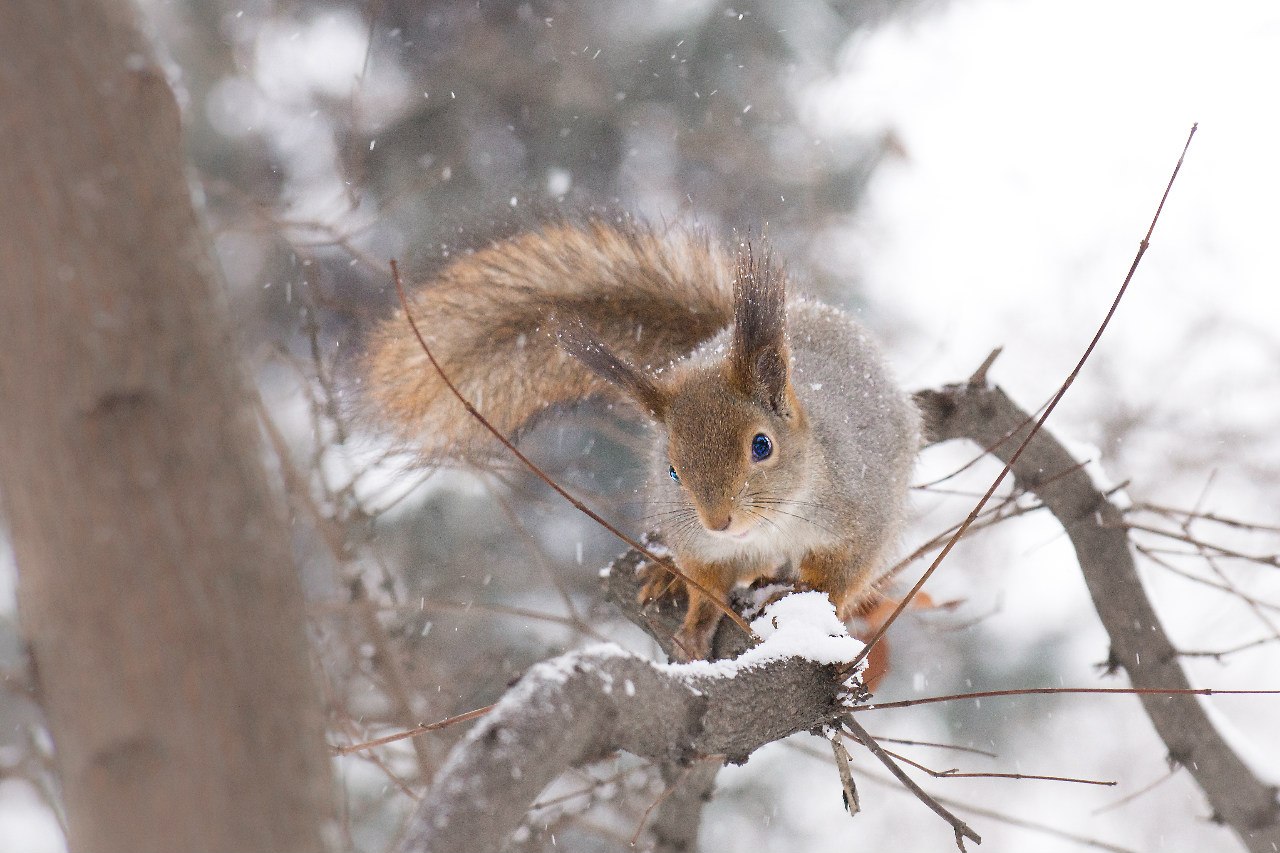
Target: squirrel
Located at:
point(782, 449)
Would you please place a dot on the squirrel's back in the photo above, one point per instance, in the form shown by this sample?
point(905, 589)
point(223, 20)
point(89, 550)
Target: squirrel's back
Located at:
point(654, 294)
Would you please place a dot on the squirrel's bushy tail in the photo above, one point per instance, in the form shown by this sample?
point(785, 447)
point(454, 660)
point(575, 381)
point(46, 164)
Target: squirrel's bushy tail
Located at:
point(652, 295)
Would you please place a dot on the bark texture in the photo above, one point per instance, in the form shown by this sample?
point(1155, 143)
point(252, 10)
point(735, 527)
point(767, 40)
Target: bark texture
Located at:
point(156, 583)
point(582, 706)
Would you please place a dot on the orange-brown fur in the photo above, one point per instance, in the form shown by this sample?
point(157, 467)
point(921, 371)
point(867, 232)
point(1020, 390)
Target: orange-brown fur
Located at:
point(616, 275)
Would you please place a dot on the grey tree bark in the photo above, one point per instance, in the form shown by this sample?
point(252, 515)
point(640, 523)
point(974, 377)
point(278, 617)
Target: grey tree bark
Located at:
point(156, 584)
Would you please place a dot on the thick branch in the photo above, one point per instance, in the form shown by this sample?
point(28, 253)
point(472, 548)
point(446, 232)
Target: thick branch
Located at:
point(585, 705)
point(1139, 643)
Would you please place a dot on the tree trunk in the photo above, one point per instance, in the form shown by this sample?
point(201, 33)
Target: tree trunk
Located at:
point(156, 585)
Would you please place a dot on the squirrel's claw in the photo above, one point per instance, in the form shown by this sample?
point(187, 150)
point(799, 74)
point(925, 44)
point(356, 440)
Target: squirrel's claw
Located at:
point(659, 583)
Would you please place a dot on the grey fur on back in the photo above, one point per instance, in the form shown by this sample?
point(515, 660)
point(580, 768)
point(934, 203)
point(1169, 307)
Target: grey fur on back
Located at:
point(835, 363)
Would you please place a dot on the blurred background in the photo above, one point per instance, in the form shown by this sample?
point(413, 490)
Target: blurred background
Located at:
point(963, 175)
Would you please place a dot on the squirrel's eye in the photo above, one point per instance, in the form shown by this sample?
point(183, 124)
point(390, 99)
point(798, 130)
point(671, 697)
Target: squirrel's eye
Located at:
point(761, 447)
point(674, 475)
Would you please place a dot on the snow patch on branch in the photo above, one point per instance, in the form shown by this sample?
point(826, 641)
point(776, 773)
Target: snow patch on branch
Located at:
point(802, 624)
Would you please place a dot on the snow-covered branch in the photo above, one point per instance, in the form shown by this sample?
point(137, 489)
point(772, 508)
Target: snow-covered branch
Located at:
point(584, 705)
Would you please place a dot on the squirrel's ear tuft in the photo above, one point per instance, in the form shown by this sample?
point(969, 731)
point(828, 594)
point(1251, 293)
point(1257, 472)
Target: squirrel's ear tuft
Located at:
point(571, 335)
point(759, 359)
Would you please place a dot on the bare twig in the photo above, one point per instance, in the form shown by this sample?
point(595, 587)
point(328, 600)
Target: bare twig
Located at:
point(595, 785)
point(1071, 378)
point(1185, 523)
point(956, 774)
point(990, 814)
point(962, 829)
point(979, 376)
point(1040, 691)
point(1219, 654)
point(1156, 555)
point(1225, 521)
point(1272, 560)
point(1145, 789)
point(540, 557)
point(662, 798)
point(414, 732)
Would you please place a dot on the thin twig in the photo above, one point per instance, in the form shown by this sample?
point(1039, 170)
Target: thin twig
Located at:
point(979, 376)
point(1222, 576)
point(1038, 691)
point(1160, 509)
point(1222, 551)
point(1219, 654)
point(961, 828)
point(1155, 556)
point(1145, 789)
point(539, 557)
point(436, 605)
point(662, 798)
point(956, 747)
point(1071, 378)
point(991, 814)
point(587, 791)
point(401, 785)
point(956, 774)
point(414, 732)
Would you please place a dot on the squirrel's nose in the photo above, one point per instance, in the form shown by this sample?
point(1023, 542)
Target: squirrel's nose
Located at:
point(718, 522)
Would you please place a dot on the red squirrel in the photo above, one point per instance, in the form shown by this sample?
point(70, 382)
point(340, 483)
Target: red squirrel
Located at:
point(782, 446)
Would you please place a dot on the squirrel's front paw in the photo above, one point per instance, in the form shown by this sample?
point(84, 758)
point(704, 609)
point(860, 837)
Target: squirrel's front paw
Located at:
point(658, 583)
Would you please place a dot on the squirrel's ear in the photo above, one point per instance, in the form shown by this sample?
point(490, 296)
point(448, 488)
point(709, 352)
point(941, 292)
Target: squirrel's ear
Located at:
point(584, 345)
point(759, 360)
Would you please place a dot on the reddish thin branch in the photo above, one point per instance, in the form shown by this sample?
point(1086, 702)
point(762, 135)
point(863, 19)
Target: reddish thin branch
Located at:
point(1037, 691)
point(1053, 404)
point(956, 774)
point(935, 745)
point(962, 829)
point(414, 732)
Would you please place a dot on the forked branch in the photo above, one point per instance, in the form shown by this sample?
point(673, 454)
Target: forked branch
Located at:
point(1139, 644)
